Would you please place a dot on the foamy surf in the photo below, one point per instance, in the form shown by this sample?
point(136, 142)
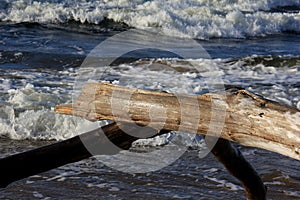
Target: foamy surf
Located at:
point(197, 19)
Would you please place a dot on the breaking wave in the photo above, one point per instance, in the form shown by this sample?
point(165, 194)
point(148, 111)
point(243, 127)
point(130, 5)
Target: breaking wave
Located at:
point(200, 19)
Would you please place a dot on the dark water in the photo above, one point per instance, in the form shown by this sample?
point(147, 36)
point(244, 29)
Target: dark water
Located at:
point(39, 64)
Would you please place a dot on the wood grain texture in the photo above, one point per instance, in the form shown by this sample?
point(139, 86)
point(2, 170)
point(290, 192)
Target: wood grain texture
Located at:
point(238, 116)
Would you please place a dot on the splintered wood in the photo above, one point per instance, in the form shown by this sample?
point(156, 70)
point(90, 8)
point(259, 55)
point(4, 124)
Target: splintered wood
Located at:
point(238, 116)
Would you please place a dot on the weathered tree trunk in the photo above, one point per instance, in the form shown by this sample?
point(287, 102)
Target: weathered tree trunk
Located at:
point(239, 116)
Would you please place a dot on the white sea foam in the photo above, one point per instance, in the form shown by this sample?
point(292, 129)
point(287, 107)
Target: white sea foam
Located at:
point(197, 19)
point(224, 183)
point(274, 183)
point(37, 195)
point(295, 194)
point(41, 124)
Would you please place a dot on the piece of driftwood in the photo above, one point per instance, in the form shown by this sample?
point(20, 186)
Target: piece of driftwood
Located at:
point(240, 116)
point(22, 165)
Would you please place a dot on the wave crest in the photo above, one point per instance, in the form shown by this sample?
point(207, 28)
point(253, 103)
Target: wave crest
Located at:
point(201, 19)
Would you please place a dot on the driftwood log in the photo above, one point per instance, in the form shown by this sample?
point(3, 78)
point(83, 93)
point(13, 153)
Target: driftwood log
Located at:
point(247, 119)
point(22, 165)
point(240, 116)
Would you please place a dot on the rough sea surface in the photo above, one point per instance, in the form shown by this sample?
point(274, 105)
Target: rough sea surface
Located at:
point(45, 49)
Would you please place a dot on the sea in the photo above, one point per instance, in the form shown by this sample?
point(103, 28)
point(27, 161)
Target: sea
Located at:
point(50, 48)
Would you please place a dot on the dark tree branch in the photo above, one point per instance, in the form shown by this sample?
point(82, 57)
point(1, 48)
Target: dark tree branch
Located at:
point(239, 167)
point(23, 165)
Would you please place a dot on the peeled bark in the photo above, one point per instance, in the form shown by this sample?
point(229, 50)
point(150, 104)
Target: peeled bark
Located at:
point(238, 116)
